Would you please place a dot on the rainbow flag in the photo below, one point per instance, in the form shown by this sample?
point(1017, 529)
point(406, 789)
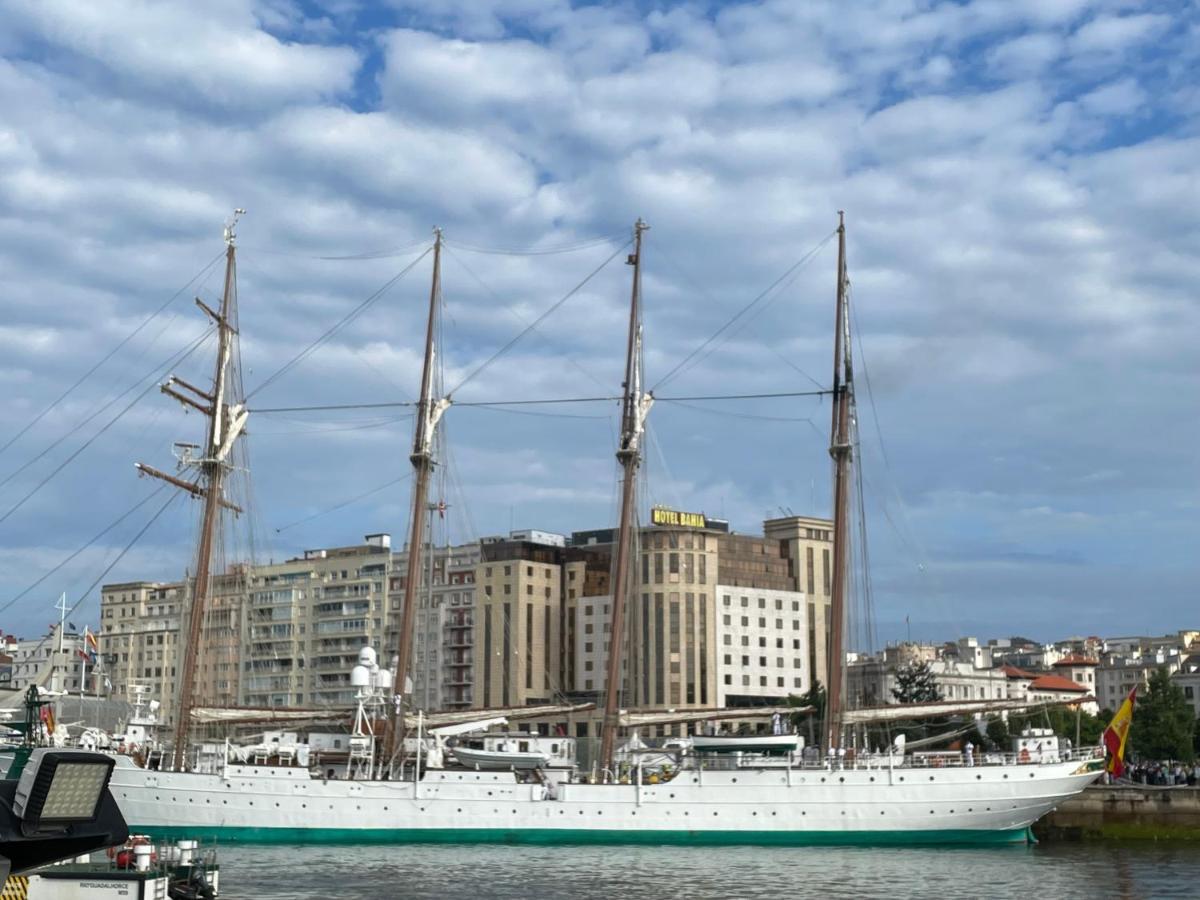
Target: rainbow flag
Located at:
point(1117, 733)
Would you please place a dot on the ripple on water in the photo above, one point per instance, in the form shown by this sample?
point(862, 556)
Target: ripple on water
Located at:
point(492, 872)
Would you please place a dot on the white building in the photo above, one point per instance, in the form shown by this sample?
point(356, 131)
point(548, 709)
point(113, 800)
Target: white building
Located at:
point(1117, 677)
point(592, 644)
point(1188, 678)
point(44, 663)
point(1055, 688)
point(1079, 669)
point(761, 645)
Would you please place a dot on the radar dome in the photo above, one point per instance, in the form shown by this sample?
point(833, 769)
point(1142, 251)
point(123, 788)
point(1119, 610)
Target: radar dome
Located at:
point(366, 657)
point(360, 677)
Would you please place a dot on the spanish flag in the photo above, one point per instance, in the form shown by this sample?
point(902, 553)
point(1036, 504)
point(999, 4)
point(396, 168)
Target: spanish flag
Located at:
point(1117, 733)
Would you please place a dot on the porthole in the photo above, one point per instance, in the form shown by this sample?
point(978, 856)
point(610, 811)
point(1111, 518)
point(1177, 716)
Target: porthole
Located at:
point(842, 779)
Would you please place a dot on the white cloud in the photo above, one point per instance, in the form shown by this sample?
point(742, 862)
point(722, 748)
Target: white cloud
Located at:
point(1115, 34)
point(1026, 291)
point(215, 49)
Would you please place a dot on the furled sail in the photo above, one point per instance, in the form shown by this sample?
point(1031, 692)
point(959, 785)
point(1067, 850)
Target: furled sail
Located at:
point(905, 711)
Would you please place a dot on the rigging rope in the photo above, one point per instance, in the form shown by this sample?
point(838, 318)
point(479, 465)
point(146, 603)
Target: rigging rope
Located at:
point(338, 326)
point(163, 367)
point(344, 503)
point(107, 425)
point(547, 251)
point(567, 296)
point(773, 395)
point(120, 556)
point(521, 319)
point(86, 375)
point(107, 528)
point(807, 257)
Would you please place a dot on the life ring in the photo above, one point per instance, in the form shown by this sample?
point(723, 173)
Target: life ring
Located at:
point(1023, 756)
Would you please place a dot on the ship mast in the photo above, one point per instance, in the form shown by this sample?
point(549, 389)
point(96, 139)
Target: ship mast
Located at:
point(226, 422)
point(634, 408)
point(429, 412)
point(840, 448)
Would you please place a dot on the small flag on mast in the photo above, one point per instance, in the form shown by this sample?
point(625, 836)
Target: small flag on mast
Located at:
point(1117, 733)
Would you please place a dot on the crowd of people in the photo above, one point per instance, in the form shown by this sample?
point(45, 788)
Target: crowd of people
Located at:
point(1163, 774)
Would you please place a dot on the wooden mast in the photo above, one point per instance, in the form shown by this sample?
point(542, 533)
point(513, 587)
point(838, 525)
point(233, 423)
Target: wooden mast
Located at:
point(429, 411)
point(635, 406)
point(840, 449)
point(226, 421)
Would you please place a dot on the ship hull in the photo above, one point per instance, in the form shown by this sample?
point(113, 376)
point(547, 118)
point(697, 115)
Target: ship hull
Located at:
point(729, 806)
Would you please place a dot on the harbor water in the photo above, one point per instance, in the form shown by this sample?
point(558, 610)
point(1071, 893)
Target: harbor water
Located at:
point(1059, 870)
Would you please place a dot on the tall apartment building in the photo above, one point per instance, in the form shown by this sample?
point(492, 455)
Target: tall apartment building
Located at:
point(139, 638)
point(808, 544)
point(444, 625)
point(288, 633)
point(714, 618)
point(519, 622)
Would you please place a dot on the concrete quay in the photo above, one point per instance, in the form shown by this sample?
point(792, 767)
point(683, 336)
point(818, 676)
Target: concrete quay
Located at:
point(1125, 812)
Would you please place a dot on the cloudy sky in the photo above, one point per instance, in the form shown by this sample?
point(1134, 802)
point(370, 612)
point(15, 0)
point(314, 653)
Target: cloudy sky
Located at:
point(1020, 179)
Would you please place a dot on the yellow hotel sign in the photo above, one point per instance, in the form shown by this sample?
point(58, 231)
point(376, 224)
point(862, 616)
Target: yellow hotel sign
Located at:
point(674, 517)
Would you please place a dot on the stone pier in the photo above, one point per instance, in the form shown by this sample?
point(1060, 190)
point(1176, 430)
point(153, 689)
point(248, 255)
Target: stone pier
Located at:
point(1126, 811)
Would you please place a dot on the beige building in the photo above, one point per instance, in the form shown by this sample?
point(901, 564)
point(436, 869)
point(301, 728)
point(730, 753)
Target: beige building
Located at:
point(714, 619)
point(521, 621)
point(139, 638)
point(283, 634)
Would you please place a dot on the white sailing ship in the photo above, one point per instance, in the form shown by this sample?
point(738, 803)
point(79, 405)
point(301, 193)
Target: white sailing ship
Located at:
point(839, 796)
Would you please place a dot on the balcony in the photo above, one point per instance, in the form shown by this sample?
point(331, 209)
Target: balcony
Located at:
point(460, 679)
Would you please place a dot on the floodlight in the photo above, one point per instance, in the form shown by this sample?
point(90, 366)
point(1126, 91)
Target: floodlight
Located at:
point(61, 787)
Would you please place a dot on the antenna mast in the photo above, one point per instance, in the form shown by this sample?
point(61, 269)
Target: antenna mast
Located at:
point(840, 448)
point(226, 422)
point(634, 409)
point(429, 413)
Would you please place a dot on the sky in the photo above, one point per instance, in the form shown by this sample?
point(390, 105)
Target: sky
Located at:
point(1020, 178)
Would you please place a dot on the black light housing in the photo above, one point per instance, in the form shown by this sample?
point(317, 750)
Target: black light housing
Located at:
point(59, 808)
point(61, 787)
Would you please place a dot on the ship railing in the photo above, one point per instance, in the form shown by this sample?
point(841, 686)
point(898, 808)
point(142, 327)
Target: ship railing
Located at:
point(883, 760)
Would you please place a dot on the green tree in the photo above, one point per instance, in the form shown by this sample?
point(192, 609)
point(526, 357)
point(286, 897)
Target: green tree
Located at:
point(1163, 721)
point(915, 684)
point(997, 732)
point(814, 697)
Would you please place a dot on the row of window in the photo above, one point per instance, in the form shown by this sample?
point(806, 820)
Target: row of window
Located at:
point(727, 600)
point(762, 661)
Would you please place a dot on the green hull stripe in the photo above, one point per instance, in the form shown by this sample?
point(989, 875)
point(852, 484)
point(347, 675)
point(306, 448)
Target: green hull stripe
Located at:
point(546, 836)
